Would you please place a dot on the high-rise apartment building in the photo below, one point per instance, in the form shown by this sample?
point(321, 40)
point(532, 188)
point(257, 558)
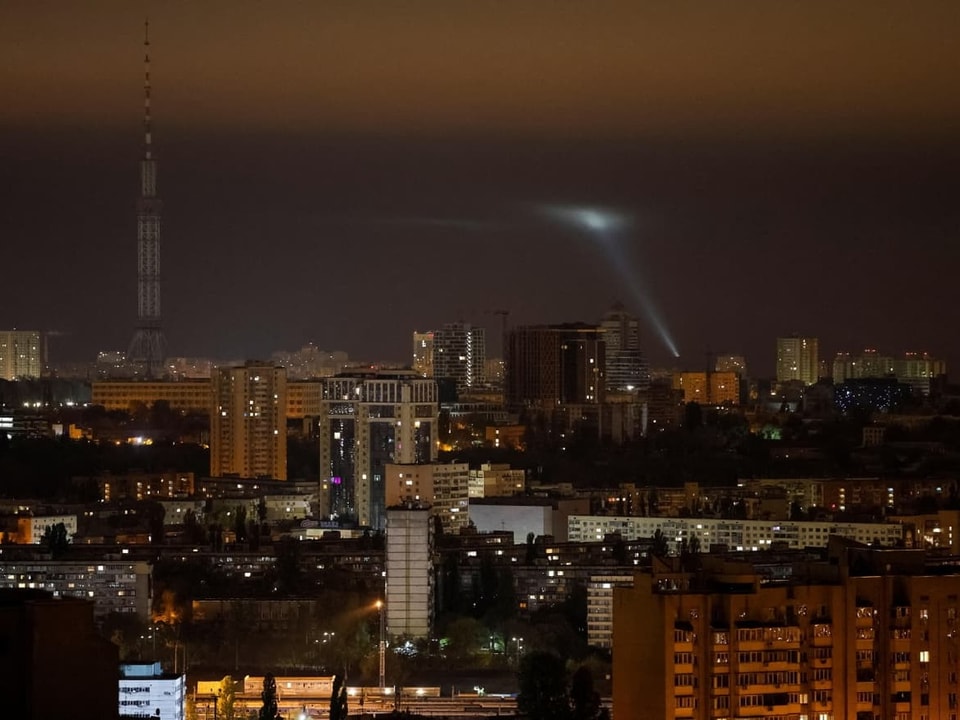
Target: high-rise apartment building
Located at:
point(409, 562)
point(866, 634)
point(21, 354)
point(626, 369)
point(554, 365)
point(916, 369)
point(798, 359)
point(869, 364)
point(366, 422)
point(460, 353)
point(423, 354)
point(248, 429)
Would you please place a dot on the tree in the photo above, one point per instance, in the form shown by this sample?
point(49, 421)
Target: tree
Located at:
point(240, 523)
point(193, 532)
point(269, 710)
point(464, 638)
point(584, 699)
point(659, 547)
point(338, 699)
point(543, 687)
point(56, 540)
point(227, 700)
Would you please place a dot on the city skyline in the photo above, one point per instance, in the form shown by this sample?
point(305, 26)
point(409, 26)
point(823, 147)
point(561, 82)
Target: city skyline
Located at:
point(345, 177)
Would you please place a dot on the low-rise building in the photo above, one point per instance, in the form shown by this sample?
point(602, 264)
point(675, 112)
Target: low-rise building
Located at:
point(441, 485)
point(496, 480)
point(114, 586)
point(30, 530)
point(731, 534)
point(527, 515)
point(148, 692)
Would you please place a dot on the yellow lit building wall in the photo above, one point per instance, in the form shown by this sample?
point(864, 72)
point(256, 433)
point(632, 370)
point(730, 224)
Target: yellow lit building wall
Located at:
point(194, 395)
point(719, 388)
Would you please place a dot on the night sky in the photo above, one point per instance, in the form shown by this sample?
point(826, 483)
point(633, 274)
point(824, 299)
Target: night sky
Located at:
point(343, 173)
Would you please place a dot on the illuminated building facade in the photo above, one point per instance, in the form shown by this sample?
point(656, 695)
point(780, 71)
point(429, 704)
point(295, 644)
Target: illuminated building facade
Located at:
point(248, 436)
point(460, 353)
point(368, 421)
point(918, 369)
point(740, 535)
point(21, 354)
point(113, 586)
point(423, 354)
point(409, 561)
point(869, 634)
point(717, 388)
point(869, 364)
point(496, 480)
point(304, 399)
point(441, 485)
point(145, 486)
point(147, 692)
point(626, 368)
point(915, 369)
point(553, 365)
point(798, 359)
point(30, 530)
point(600, 607)
point(124, 395)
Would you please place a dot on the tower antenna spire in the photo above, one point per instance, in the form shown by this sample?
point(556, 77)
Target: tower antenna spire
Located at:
point(147, 138)
point(148, 345)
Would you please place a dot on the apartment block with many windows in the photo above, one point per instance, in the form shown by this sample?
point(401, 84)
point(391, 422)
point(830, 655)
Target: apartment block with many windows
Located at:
point(866, 634)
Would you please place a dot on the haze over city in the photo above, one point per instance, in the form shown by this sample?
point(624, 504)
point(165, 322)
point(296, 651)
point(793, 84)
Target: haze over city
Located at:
point(341, 176)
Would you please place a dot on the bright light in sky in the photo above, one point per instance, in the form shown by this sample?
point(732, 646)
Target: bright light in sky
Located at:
point(593, 219)
point(603, 226)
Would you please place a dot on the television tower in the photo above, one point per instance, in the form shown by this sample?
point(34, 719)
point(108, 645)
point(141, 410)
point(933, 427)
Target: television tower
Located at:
point(148, 345)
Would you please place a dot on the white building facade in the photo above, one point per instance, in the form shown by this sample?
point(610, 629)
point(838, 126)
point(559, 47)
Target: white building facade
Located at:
point(736, 535)
point(409, 562)
point(146, 692)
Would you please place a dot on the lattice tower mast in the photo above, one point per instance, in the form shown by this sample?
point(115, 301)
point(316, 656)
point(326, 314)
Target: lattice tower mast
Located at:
point(148, 345)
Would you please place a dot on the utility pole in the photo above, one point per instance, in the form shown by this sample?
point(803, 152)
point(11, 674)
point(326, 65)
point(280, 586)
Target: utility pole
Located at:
point(383, 646)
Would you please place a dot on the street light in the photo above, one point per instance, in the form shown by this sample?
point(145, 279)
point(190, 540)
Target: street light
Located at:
point(519, 642)
point(383, 646)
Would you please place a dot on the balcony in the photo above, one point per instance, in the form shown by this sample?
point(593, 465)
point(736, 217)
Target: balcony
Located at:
point(683, 712)
point(787, 665)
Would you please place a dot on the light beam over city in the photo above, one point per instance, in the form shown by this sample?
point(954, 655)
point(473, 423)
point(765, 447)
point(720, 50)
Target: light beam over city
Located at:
point(607, 229)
